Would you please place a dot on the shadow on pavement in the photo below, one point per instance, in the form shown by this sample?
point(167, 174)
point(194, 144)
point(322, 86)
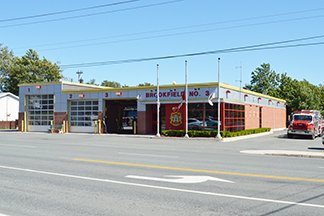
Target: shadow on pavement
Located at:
point(316, 148)
point(292, 205)
point(297, 137)
point(8, 130)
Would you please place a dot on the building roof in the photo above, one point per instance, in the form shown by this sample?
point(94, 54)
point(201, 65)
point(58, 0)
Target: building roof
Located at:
point(8, 94)
point(95, 88)
point(64, 83)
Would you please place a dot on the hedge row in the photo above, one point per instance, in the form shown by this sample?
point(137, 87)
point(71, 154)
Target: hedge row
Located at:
point(212, 133)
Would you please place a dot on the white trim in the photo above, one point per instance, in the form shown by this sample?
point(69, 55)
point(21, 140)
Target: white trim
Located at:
point(38, 128)
point(4, 94)
point(82, 129)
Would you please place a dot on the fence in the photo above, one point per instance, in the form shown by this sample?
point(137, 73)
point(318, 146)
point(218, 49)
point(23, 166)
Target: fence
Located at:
point(8, 124)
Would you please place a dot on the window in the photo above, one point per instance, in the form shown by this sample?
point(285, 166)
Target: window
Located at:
point(234, 117)
point(40, 109)
point(202, 116)
point(83, 113)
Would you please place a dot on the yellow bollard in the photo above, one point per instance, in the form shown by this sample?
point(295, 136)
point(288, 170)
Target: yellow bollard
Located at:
point(99, 126)
point(22, 126)
point(66, 126)
point(134, 127)
point(25, 122)
point(63, 126)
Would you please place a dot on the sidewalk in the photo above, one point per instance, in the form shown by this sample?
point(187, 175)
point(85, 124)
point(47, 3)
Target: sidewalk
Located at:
point(306, 154)
point(229, 139)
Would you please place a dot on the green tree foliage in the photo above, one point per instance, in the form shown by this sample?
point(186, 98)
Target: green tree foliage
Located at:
point(263, 80)
point(111, 84)
point(92, 82)
point(26, 69)
point(298, 94)
point(145, 84)
point(6, 60)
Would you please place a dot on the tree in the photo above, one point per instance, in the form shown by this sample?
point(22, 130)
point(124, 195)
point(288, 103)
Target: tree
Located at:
point(263, 80)
point(145, 84)
point(29, 69)
point(92, 82)
point(298, 94)
point(111, 84)
point(6, 59)
point(321, 90)
point(307, 96)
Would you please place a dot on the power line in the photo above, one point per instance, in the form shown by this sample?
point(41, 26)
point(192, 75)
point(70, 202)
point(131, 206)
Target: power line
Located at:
point(92, 14)
point(67, 11)
point(179, 33)
point(264, 46)
point(183, 27)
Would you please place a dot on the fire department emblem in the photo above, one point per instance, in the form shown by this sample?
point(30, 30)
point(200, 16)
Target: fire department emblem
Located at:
point(175, 119)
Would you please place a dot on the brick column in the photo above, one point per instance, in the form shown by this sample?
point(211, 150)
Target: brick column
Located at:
point(20, 119)
point(59, 117)
point(141, 122)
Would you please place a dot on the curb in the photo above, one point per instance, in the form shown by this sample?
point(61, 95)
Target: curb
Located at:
point(304, 154)
point(232, 139)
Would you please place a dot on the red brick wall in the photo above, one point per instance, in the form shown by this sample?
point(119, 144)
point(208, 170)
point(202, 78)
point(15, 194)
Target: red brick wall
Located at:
point(20, 118)
point(273, 117)
point(280, 118)
point(8, 124)
point(252, 119)
point(141, 122)
point(59, 117)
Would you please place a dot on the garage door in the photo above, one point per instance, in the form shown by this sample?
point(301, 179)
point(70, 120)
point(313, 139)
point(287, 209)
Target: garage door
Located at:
point(40, 112)
point(83, 114)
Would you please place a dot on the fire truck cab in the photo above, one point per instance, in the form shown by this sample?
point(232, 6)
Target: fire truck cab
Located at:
point(305, 123)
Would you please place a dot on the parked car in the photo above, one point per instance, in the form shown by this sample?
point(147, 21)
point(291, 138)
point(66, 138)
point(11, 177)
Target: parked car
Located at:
point(211, 123)
point(195, 124)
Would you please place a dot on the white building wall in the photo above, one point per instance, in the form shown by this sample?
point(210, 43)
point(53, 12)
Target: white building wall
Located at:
point(8, 108)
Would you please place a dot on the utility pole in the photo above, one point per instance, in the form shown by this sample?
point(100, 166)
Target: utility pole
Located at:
point(79, 73)
point(240, 80)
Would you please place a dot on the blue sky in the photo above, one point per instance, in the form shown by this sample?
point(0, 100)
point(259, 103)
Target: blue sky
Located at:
point(171, 28)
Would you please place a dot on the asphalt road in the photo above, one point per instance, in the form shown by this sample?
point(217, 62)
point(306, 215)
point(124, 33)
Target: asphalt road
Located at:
point(78, 174)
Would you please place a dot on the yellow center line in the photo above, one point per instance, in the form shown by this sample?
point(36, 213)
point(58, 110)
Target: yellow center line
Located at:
point(199, 170)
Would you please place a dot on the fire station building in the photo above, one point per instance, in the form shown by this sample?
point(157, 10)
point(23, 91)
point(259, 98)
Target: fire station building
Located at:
point(86, 108)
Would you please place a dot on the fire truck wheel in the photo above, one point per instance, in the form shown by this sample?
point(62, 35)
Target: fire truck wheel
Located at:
point(289, 136)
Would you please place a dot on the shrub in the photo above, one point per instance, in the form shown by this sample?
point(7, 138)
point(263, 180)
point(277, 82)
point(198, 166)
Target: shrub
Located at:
point(213, 133)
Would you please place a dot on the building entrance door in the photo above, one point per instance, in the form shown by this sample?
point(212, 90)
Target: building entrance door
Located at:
point(119, 116)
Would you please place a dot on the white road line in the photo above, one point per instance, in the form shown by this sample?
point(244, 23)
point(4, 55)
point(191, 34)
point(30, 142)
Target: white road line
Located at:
point(15, 146)
point(166, 188)
point(147, 155)
point(180, 179)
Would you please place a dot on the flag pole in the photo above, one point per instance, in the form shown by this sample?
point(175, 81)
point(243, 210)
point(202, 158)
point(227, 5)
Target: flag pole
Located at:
point(219, 137)
point(157, 102)
point(186, 94)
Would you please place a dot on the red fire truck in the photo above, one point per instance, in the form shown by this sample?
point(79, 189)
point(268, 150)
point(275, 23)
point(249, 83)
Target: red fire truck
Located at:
point(306, 123)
